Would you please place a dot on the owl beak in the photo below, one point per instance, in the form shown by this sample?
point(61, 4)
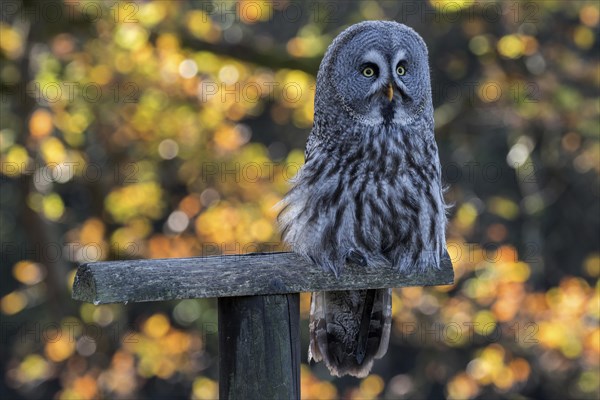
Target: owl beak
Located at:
point(389, 92)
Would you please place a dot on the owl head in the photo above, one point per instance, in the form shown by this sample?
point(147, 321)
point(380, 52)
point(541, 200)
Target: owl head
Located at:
point(375, 72)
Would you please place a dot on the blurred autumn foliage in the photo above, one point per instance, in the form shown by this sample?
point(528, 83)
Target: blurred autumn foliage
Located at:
point(153, 129)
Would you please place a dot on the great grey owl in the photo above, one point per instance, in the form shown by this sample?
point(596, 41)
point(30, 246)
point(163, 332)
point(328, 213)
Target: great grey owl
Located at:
point(370, 190)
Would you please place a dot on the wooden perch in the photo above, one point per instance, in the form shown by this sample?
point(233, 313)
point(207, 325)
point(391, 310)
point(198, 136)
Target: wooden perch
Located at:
point(259, 312)
point(232, 275)
point(259, 347)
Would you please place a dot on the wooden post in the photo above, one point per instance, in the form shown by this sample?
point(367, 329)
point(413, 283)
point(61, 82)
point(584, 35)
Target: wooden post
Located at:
point(259, 345)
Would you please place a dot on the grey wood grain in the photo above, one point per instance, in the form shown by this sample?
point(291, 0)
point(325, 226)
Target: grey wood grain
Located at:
point(259, 347)
point(233, 275)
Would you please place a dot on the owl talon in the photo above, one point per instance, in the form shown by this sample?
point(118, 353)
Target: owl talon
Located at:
point(357, 258)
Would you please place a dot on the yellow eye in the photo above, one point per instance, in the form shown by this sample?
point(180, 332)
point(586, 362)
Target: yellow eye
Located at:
point(368, 72)
point(400, 70)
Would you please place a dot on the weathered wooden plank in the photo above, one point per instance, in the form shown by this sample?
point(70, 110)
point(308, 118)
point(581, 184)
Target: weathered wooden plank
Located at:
point(233, 275)
point(259, 347)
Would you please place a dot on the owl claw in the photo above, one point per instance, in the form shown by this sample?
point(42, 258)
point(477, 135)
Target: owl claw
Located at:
point(326, 265)
point(357, 258)
point(335, 272)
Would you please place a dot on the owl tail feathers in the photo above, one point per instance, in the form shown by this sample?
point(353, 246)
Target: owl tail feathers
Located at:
point(348, 346)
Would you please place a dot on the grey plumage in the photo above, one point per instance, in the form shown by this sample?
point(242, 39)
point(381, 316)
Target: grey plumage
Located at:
point(370, 191)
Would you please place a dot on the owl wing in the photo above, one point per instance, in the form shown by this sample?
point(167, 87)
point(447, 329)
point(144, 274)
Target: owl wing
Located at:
point(311, 143)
